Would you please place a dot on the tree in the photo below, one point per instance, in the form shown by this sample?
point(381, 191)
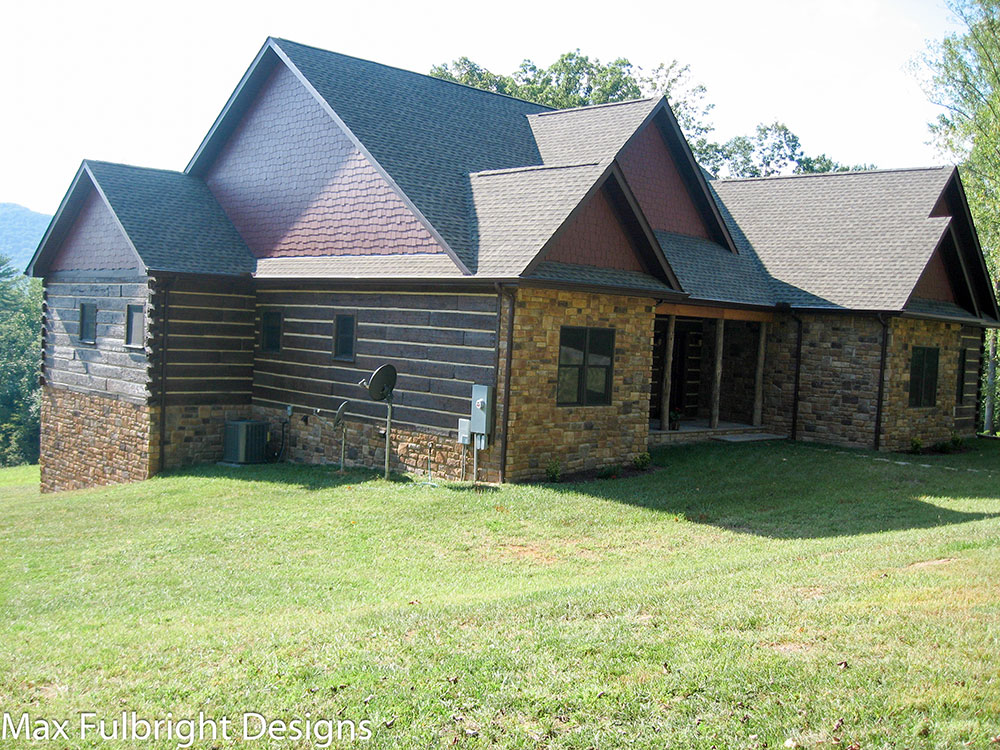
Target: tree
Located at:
point(20, 340)
point(962, 75)
point(576, 80)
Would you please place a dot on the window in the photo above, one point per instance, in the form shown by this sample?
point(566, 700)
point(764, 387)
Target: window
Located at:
point(960, 386)
point(270, 331)
point(88, 323)
point(343, 337)
point(585, 364)
point(923, 376)
point(135, 326)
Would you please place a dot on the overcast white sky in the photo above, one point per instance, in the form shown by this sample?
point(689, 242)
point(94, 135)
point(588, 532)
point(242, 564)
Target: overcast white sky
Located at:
point(141, 83)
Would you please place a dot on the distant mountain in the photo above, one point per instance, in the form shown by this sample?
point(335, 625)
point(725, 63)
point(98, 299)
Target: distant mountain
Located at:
point(21, 230)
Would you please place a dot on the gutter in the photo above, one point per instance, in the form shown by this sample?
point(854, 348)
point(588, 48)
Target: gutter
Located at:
point(510, 294)
point(881, 379)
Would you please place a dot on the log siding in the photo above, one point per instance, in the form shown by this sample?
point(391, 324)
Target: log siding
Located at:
point(440, 342)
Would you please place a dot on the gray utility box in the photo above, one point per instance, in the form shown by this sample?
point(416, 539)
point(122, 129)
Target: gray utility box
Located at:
point(482, 410)
point(464, 432)
point(245, 442)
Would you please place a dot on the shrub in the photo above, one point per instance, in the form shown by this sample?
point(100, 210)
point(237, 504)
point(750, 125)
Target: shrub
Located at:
point(957, 442)
point(642, 461)
point(609, 472)
point(916, 445)
point(553, 470)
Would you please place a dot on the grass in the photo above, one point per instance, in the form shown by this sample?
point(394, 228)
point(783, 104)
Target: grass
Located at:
point(738, 596)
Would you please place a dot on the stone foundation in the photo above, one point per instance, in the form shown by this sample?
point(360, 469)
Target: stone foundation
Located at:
point(91, 439)
point(194, 433)
point(311, 439)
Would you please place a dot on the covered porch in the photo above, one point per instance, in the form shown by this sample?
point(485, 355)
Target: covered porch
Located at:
point(708, 372)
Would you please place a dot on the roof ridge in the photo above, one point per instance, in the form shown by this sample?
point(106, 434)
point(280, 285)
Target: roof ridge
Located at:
point(834, 174)
point(567, 110)
point(136, 166)
point(532, 168)
point(411, 72)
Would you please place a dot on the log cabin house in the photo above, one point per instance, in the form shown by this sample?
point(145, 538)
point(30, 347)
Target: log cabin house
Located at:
point(341, 214)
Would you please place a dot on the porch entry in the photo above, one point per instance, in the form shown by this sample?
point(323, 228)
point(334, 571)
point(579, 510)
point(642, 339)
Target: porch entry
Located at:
point(708, 367)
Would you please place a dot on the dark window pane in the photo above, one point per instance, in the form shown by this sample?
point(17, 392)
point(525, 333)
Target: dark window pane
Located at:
point(923, 376)
point(270, 331)
point(343, 342)
point(568, 391)
point(930, 377)
point(960, 386)
point(601, 348)
point(598, 385)
point(572, 345)
point(135, 326)
point(88, 322)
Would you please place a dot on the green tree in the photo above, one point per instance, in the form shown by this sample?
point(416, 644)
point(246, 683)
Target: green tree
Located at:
point(577, 80)
point(962, 75)
point(20, 341)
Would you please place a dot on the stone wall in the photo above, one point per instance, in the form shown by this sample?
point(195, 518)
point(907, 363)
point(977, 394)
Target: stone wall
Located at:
point(194, 433)
point(578, 437)
point(900, 422)
point(91, 439)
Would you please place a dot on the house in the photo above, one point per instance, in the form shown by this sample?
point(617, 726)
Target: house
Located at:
point(341, 214)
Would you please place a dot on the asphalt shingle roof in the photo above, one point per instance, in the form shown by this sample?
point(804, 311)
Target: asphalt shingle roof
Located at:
point(173, 220)
point(709, 271)
point(605, 277)
point(854, 240)
point(588, 134)
point(407, 266)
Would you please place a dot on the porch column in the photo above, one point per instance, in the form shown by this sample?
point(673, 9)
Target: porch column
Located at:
point(668, 366)
point(720, 327)
point(758, 386)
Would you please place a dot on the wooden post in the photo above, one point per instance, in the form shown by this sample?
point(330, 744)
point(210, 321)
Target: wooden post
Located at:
point(668, 366)
point(720, 327)
point(758, 386)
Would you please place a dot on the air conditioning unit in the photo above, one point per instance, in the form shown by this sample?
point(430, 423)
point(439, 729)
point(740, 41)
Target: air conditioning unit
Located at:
point(245, 442)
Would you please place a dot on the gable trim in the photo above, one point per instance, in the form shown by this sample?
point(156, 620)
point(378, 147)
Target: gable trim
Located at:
point(258, 70)
point(62, 222)
point(956, 178)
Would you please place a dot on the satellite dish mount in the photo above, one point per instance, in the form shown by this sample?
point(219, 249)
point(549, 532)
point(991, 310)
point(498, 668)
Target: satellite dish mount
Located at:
point(380, 386)
point(340, 424)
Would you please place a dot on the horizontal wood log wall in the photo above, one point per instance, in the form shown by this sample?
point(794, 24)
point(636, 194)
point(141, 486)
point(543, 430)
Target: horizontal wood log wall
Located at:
point(967, 413)
point(441, 343)
point(106, 366)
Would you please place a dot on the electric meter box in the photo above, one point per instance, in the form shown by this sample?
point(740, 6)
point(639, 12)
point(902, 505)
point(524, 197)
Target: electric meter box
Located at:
point(464, 432)
point(482, 410)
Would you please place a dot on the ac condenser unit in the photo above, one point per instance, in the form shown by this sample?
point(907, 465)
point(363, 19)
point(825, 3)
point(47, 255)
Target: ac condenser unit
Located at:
point(245, 442)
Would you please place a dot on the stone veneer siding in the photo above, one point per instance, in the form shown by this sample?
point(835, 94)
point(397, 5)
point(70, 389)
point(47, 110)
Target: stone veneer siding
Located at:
point(91, 439)
point(901, 422)
point(580, 438)
point(194, 433)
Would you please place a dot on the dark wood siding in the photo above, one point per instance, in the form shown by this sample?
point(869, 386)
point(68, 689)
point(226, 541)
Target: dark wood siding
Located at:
point(967, 412)
point(209, 339)
point(106, 366)
point(441, 343)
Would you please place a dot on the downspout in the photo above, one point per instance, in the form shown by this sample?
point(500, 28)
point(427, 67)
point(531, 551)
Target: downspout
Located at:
point(881, 379)
point(506, 380)
point(167, 282)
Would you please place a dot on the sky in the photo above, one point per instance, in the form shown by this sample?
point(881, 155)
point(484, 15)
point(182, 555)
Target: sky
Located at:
point(141, 83)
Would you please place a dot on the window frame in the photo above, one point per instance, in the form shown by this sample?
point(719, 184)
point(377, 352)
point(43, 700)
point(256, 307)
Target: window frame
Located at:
point(920, 372)
point(585, 366)
point(129, 327)
point(263, 336)
point(336, 336)
point(92, 323)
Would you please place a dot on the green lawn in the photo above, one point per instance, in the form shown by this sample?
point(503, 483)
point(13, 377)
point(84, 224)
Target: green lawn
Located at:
point(739, 596)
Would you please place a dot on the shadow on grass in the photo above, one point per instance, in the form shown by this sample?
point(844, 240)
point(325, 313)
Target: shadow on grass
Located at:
point(301, 476)
point(788, 491)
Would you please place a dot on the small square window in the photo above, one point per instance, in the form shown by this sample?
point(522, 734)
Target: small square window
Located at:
point(88, 323)
point(135, 326)
point(343, 337)
point(586, 357)
point(923, 376)
point(270, 331)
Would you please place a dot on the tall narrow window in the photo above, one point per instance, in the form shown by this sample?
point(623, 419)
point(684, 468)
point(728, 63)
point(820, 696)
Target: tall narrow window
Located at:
point(135, 326)
point(923, 376)
point(270, 331)
point(343, 337)
point(960, 386)
point(586, 357)
point(88, 323)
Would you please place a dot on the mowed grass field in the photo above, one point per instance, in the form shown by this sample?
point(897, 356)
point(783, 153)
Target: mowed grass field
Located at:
point(737, 596)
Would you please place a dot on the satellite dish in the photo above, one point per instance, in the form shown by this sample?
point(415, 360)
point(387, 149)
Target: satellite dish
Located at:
point(338, 418)
point(381, 383)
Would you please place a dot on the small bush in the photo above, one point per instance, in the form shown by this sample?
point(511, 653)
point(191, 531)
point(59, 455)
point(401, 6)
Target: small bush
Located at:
point(553, 470)
point(941, 447)
point(957, 442)
point(916, 445)
point(642, 461)
point(609, 472)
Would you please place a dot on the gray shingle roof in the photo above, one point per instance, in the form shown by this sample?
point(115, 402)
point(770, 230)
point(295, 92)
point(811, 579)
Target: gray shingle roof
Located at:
point(408, 266)
point(517, 211)
point(941, 309)
point(710, 271)
point(588, 134)
point(604, 277)
point(427, 133)
point(172, 220)
point(855, 240)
